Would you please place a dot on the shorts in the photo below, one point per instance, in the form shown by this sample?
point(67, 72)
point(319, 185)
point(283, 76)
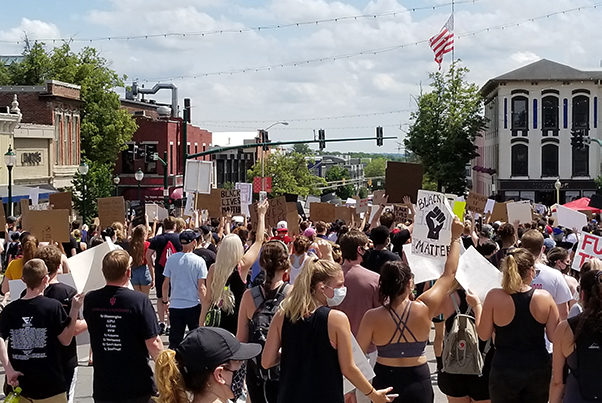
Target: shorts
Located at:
point(515, 386)
point(159, 282)
point(474, 386)
point(413, 384)
point(141, 276)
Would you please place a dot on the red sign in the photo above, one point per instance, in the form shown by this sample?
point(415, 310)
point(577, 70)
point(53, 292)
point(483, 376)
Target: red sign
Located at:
point(257, 184)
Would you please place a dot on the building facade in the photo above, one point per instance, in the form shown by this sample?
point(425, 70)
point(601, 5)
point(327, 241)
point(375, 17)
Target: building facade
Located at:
point(532, 113)
point(232, 166)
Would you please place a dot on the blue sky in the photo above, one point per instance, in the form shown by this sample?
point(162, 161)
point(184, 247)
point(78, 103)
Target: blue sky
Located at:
point(366, 84)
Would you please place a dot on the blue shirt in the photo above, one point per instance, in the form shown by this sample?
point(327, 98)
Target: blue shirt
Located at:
point(184, 271)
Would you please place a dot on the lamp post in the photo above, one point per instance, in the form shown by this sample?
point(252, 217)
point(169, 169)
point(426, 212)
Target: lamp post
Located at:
point(557, 185)
point(83, 171)
point(116, 180)
point(139, 175)
point(10, 159)
point(263, 151)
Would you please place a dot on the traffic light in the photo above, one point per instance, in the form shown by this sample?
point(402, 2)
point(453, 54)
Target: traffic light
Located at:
point(379, 136)
point(140, 152)
point(577, 139)
point(264, 138)
point(321, 138)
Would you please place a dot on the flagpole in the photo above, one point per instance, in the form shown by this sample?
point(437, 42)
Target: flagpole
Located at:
point(454, 20)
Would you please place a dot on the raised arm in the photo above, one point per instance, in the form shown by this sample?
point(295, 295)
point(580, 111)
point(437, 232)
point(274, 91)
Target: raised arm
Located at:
point(67, 334)
point(374, 221)
point(253, 252)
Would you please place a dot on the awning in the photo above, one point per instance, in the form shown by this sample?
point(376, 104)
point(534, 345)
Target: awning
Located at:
point(23, 192)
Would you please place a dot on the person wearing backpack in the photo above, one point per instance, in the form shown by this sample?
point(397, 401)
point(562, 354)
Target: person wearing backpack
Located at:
point(463, 378)
point(257, 309)
point(577, 344)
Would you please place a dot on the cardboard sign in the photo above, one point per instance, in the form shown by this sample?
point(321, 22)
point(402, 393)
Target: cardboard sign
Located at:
point(362, 206)
point(432, 225)
point(322, 212)
point(344, 213)
point(570, 218)
point(110, 210)
point(2, 216)
point(403, 179)
point(211, 202)
point(590, 246)
point(401, 213)
point(292, 218)
point(60, 201)
point(499, 213)
point(198, 176)
point(379, 198)
point(277, 211)
point(230, 202)
point(49, 225)
point(476, 202)
point(520, 211)
point(155, 211)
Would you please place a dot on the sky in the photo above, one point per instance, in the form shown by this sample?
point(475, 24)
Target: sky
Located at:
point(342, 66)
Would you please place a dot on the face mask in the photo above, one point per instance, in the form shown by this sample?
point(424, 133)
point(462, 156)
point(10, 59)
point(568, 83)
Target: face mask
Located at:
point(338, 297)
point(365, 255)
point(238, 381)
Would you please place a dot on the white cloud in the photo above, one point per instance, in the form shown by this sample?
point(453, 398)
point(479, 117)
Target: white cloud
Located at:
point(33, 29)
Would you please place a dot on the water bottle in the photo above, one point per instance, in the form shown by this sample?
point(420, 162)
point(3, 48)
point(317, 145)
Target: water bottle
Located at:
point(14, 396)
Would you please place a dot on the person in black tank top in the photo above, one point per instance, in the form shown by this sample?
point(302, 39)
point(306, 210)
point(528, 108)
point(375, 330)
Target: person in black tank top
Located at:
point(314, 360)
point(521, 367)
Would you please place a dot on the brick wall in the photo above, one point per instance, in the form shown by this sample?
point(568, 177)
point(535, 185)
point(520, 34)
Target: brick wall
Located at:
point(34, 109)
point(62, 90)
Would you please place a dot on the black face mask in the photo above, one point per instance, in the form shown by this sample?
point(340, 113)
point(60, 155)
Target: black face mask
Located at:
point(365, 255)
point(238, 381)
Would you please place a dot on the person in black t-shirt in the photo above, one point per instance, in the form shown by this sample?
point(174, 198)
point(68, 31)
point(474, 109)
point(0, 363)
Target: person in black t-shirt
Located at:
point(35, 326)
point(51, 255)
point(123, 331)
point(157, 247)
point(380, 254)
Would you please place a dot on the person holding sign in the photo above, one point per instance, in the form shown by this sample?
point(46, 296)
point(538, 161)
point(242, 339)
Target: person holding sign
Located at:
point(519, 315)
point(315, 341)
point(400, 328)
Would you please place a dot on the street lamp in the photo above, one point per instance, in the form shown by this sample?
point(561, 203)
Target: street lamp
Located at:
point(557, 185)
point(10, 159)
point(116, 180)
point(83, 171)
point(263, 152)
point(139, 175)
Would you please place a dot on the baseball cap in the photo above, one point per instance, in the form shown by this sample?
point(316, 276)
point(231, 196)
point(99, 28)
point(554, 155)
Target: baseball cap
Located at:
point(281, 226)
point(309, 232)
point(549, 243)
point(188, 236)
point(207, 347)
point(205, 229)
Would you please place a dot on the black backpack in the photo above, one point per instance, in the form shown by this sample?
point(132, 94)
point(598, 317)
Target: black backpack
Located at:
point(260, 324)
point(589, 356)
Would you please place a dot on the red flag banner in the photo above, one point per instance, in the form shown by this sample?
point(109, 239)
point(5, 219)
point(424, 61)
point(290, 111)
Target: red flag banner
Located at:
point(257, 184)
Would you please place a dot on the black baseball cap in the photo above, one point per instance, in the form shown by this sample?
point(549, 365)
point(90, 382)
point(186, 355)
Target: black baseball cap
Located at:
point(207, 347)
point(188, 236)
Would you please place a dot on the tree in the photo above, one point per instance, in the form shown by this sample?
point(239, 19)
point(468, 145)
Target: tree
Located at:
point(289, 174)
point(445, 127)
point(376, 167)
point(335, 174)
point(302, 148)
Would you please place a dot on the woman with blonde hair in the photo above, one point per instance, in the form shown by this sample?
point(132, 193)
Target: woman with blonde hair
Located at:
point(312, 342)
point(120, 237)
point(227, 278)
point(519, 315)
point(142, 278)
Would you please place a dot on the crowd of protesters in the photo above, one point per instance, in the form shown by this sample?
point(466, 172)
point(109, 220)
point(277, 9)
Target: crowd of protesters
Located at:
point(261, 314)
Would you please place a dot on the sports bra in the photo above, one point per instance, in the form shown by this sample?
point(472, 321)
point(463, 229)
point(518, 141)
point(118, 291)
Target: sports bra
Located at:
point(401, 349)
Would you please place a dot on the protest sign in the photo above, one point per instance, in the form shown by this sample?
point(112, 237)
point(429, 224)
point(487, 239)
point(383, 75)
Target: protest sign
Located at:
point(110, 210)
point(570, 218)
point(2, 216)
point(189, 206)
point(489, 206)
point(476, 202)
point(49, 225)
point(423, 268)
point(362, 206)
point(211, 202)
point(499, 213)
point(344, 213)
point(138, 211)
point(277, 210)
point(379, 198)
point(412, 180)
point(60, 201)
point(322, 212)
point(155, 211)
point(590, 246)
point(198, 176)
point(17, 287)
point(246, 192)
point(230, 202)
point(361, 362)
point(292, 218)
point(459, 208)
point(34, 195)
point(432, 225)
point(401, 213)
point(267, 184)
point(477, 274)
point(87, 267)
point(519, 211)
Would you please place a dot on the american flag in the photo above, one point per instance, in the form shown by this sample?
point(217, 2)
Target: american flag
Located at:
point(443, 42)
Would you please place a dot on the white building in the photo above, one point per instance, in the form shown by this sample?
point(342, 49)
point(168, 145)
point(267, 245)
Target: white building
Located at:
point(531, 113)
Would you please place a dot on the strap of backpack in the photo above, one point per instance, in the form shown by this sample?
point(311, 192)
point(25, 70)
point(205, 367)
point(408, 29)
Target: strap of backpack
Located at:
point(456, 307)
point(257, 294)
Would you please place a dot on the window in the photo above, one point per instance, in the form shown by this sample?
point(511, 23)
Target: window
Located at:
point(57, 138)
point(150, 165)
point(581, 112)
point(74, 148)
point(549, 160)
point(520, 118)
point(580, 162)
point(65, 150)
point(520, 160)
point(549, 117)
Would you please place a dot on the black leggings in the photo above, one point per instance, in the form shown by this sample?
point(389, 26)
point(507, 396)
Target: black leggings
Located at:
point(508, 385)
point(413, 384)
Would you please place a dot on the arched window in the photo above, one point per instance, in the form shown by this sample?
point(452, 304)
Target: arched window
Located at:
point(549, 113)
point(581, 112)
point(520, 160)
point(581, 161)
point(549, 160)
point(520, 113)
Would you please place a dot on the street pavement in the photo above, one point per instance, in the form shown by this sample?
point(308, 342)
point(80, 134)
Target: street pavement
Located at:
point(83, 389)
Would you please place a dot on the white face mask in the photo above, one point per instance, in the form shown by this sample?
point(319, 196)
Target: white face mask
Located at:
point(338, 297)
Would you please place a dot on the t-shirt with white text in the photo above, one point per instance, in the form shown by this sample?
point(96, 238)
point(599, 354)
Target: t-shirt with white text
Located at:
point(184, 271)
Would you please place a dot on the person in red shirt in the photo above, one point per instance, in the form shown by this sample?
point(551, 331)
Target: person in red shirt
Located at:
point(282, 229)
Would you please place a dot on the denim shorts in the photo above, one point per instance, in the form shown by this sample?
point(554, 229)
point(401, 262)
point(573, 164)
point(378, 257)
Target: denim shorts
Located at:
point(141, 275)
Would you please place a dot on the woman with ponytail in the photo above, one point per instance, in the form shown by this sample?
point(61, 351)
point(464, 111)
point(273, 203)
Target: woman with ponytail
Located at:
point(29, 244)
point(315, 341)
point(518, 314)
point(559, 259)
point(205, 366)
point(577, 344)
point(254, 318)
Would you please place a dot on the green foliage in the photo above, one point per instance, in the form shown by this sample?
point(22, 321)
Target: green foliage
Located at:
point(337, 173)
point(362, 193)
point(302, 148)
point(99, 183)
point(289, 174)
point(445, 127)
point(376, 167)
point(228, 186)
point(598, 181)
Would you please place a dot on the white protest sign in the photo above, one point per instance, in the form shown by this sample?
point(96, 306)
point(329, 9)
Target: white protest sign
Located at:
point(198, 176)
point(16, 287)
point(189, 208)
point(246, 193)
point(477, 274)
point(362, 206)
point(34, 195)
point(423, 268)
point(432, 225)
point(520, 211)
point(87, 267)
point(362, 364)
point(590, 246)
point(570, 218)
point(489, 206)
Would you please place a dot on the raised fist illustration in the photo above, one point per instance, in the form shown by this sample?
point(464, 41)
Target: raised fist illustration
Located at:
point(435, 220)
